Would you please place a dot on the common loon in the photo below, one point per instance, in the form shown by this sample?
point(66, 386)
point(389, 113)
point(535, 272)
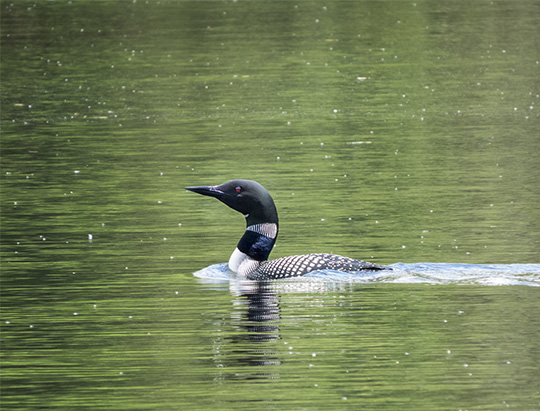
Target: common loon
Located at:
point(250, 258)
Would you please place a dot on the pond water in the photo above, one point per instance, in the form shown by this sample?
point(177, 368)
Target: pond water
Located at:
point(404, 133)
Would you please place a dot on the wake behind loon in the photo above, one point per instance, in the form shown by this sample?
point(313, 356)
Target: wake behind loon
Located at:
point(250, 258)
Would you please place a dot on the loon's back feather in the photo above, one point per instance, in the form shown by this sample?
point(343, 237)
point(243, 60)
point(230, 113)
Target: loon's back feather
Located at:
point(298, 265)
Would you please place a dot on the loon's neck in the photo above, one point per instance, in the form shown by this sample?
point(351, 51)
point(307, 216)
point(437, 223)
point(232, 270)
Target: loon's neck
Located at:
point(253, 248)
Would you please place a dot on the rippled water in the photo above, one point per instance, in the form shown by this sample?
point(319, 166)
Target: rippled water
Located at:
point(392, 131)
point(429, 273)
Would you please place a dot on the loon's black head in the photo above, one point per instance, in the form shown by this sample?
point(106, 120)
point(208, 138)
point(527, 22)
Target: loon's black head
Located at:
point(245, 196)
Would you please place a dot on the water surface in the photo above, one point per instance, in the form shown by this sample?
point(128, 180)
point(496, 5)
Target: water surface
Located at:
point(402, 133)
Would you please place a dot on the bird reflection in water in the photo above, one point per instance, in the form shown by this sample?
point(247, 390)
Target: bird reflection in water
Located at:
point(254, 325)
point(259, 324)
point(263, 313)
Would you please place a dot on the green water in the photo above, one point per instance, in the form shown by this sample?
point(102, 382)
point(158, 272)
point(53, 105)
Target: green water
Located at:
point(393, 131)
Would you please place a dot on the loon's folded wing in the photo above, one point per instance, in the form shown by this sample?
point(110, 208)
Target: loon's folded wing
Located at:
point(298, 265)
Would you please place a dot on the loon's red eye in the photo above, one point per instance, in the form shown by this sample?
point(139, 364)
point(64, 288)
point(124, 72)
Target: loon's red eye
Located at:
point(238, 189)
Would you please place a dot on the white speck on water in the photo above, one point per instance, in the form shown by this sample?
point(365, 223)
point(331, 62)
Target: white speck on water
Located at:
point(77, 171)
point(90, 237)
point(360, 142)
point(313, 354)
point(160, 202)
point(75, 313)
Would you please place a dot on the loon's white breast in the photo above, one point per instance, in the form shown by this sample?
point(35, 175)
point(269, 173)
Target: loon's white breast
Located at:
point(242, 264)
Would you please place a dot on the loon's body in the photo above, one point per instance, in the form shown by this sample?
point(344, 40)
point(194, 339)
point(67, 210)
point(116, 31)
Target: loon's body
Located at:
point(250, 258)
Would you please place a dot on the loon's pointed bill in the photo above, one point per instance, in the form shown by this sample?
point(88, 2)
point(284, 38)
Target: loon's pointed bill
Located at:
point(212, 191)
point(250, 258)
